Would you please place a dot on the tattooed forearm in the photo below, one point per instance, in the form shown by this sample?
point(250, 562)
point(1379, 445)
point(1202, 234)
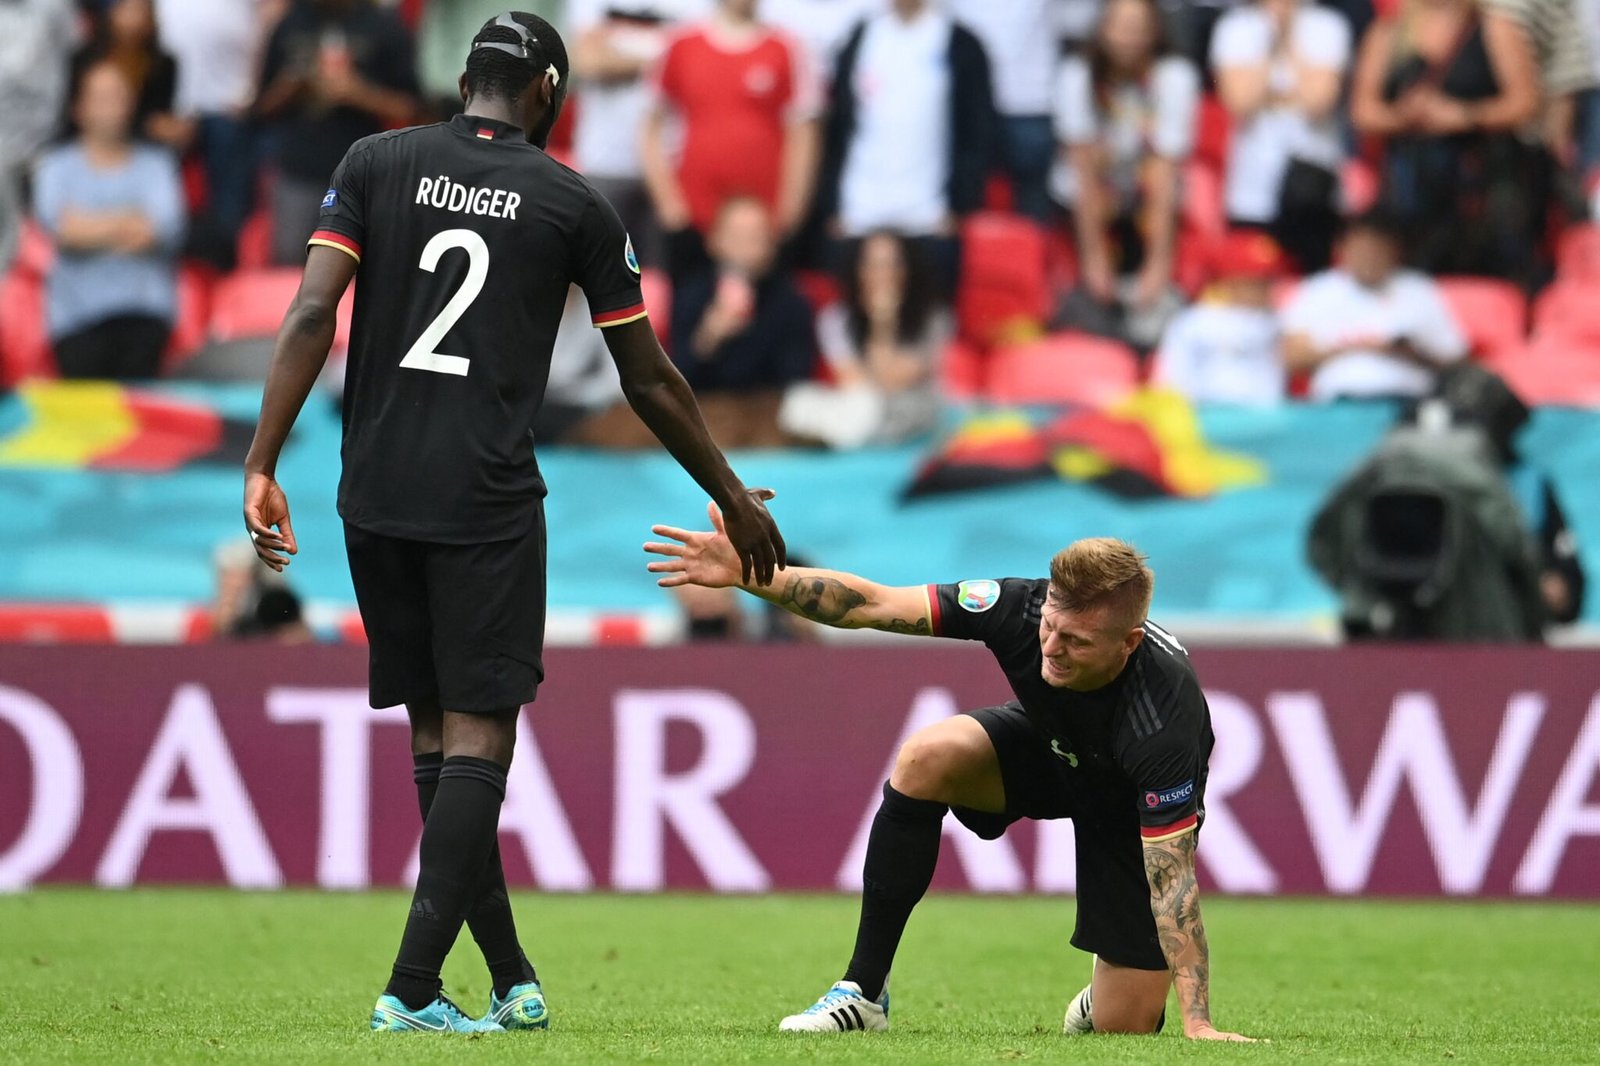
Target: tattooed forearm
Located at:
point(821, 599)
point(916, 627)
point(1175, 904)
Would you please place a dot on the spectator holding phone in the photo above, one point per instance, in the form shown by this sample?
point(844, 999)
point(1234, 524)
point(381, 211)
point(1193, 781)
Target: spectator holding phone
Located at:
point(741, 328)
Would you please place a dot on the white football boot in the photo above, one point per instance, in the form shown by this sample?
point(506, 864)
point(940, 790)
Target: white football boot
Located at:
point(842, 1009)
point(1080, 1014)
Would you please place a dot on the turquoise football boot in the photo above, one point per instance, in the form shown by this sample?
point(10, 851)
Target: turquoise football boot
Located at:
point(523, 1008)
point(441, 1016)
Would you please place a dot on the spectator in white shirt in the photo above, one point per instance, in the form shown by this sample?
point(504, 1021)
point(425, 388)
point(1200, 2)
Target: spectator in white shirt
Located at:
point(1369, 328)
point(1125, 116)
point(1224, 349)
point(822, 26)
point(1021, 38)
point(1280, 68)
point(217, 45)
point(618, 43)
point(909, 134)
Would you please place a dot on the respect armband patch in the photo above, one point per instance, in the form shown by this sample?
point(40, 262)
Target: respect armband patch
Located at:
point(1169, 797)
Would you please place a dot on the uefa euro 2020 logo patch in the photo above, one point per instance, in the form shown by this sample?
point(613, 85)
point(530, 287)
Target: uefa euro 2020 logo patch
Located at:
point(629, 258)
point(330, 199)
point(978, 596)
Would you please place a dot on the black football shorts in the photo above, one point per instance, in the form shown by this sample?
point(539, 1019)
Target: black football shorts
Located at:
point(1114, 920)
point(462, 624)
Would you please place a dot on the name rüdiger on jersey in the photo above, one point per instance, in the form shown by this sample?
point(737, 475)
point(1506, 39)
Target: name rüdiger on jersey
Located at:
point(447, 194)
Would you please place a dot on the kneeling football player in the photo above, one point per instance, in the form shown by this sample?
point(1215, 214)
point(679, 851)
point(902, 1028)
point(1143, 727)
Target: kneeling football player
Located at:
point(1109, 727)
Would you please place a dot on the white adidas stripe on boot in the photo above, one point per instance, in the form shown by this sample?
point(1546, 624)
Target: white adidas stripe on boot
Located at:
point(842, 1009)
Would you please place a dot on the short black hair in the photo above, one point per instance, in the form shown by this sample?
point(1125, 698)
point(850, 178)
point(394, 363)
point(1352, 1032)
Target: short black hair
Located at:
point(497, 74)
point(1378, 221)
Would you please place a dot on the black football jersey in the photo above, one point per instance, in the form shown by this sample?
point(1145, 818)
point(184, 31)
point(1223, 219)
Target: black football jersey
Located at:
point(467, 238)
point(1145, 739)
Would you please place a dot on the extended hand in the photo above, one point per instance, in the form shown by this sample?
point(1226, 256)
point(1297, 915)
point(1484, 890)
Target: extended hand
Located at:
point(1207, 1031)
point(716, 559)
point(754, 536)
point(266, 507)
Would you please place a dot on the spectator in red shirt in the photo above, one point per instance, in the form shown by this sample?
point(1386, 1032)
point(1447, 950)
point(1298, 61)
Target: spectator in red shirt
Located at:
point(748, 101)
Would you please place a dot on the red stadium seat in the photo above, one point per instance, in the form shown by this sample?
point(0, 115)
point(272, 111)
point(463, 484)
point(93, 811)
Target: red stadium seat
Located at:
point(53, 623)
point(1552, 370)
point(1004, 287)
point(24, 339)
point(1493, 314)
point(1568, 310)
point(1578, 254)
point(36, 252)
point(961, 371)
point(250, 305)
point(657, 290)
point(1063, 368)
point(255, 241)
point(194, 316)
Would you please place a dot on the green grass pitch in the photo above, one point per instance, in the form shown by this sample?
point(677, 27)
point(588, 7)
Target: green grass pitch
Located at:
point(177, 976)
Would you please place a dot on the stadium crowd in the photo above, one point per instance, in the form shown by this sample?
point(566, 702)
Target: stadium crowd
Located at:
point(851, 210)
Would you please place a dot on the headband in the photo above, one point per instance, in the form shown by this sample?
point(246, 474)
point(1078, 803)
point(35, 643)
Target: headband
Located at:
point(524, 50)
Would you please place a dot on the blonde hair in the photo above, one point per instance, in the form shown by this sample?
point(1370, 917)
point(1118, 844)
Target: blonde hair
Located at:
point(1103, 571)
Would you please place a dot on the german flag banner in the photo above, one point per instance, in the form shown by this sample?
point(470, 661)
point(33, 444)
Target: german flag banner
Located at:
point(98, 425)
point(1149, 445)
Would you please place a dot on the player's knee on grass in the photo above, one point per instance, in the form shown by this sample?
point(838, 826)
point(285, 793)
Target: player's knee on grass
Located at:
point(1128, 1000)
point(952, 762)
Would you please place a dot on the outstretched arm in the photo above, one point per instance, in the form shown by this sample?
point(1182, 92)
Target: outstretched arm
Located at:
point(1175, 903)
point(664, 402)
point(831, 597)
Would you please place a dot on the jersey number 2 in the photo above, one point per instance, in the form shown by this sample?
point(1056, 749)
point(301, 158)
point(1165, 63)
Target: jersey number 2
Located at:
point(422, 355)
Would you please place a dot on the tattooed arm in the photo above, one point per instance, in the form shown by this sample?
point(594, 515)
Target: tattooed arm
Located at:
point(830, 597)
point(1175, 903)
point(846, 601)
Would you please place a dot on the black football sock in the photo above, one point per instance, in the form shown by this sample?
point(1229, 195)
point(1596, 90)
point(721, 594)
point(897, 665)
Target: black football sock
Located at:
point(490, 919)
point(902, 851)
point(462, 824)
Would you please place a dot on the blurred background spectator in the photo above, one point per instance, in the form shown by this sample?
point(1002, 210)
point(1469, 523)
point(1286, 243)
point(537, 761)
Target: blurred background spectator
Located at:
point(882, 343)
point(253, 601)
point(335, 71)
point(124, 34)
point(616, 46)
point(910, 132)
point(1020, 40)
point(747, 98)
point(1448, 91)
point(36, 37)
point(1224, 349)
point(741, 331)
point(1125, 114)
point(444, 26)
point(115, 210)
point(217, 46)
point(1280, 67)
point(820, 26)
point(1369, 327)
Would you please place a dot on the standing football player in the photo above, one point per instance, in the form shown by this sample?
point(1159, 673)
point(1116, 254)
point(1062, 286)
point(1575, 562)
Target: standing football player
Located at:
point(1109, 728)
point(463, 238)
